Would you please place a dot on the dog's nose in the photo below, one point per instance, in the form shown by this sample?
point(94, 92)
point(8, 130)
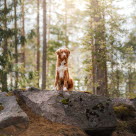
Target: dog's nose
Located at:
point(64, 54)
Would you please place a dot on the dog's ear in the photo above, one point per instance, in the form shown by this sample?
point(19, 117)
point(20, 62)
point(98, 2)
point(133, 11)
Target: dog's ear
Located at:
point(68, 51)
point(57, 52)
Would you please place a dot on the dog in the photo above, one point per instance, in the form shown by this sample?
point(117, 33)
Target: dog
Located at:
point(62, 80)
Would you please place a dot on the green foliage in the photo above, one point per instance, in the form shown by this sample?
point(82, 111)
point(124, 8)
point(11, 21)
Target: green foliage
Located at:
point(30, 35)
point(131, 95)
point(27, 79)
point(73, 27)
point(7, 44)
point(124, 112)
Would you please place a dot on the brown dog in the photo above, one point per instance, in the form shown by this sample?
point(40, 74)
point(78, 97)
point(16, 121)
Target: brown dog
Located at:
point(63, 80)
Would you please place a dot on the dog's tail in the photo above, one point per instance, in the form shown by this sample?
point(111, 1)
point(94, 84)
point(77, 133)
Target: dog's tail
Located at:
point(70, 85)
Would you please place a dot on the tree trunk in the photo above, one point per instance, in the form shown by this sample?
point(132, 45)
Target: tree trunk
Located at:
point(44, 46)
point(99, 52)
point(5, 48)
point(112, 86)
point(49, 20)
point(130, 85)
point(16, 42)
point(38, 43)
point(23, 31)
point(49, 27)
point(66, 14)
point(118, 83)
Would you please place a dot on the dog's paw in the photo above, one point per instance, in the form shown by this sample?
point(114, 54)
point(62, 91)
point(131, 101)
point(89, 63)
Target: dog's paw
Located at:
point(55, 88)
point(65, 89)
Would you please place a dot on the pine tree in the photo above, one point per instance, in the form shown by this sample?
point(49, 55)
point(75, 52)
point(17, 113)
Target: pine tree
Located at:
point(23, 30)
point(101, 40)
point(16, 43)
point(38, 41)
point(44, 46)
point(7, 34)
point(99, 49)
point(5, 49)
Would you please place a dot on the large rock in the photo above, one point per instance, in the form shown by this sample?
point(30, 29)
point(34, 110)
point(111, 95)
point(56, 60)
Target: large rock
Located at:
point(92, 113)
point(125, 109)
point(124, 101)
point(11, 115)
point(134, 102)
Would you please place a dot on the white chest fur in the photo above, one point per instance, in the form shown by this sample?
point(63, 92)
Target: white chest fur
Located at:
point(61, 69)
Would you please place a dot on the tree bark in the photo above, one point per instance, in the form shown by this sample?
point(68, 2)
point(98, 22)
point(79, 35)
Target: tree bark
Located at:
point(16, 42)
point(5, 48)
point(118, 83)
point(23, 30)
point(130, 85)
point(66, 14)
point(49, 20)
point(99, 51)
point(49, 27)
point(44, 46)
point(38, 42)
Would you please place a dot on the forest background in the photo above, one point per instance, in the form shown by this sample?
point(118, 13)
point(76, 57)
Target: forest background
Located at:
point(101, 35)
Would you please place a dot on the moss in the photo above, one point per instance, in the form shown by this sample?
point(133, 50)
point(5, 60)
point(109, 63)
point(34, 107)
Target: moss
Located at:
point(23, 89)
point(65, 101)
point(1, 107)
point(89, 92)
point(10, 93)
point(124, 112)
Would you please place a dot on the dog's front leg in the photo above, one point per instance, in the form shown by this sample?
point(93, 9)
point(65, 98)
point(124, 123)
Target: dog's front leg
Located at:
point(56, 80)
point(65, 87)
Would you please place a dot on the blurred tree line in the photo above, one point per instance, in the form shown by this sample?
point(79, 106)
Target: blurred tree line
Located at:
point(101, 61)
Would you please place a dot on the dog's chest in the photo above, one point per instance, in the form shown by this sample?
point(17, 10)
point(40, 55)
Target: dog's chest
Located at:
point(61, 69)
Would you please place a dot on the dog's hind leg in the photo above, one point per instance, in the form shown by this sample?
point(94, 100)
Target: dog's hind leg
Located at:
point(70, 85)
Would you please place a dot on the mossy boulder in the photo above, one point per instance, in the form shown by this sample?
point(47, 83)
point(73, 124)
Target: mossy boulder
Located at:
point(92, 113)
point(124, 101)
point(124, 112)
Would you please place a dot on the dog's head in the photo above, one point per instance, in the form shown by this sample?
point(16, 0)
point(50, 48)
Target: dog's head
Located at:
point(63, 53)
